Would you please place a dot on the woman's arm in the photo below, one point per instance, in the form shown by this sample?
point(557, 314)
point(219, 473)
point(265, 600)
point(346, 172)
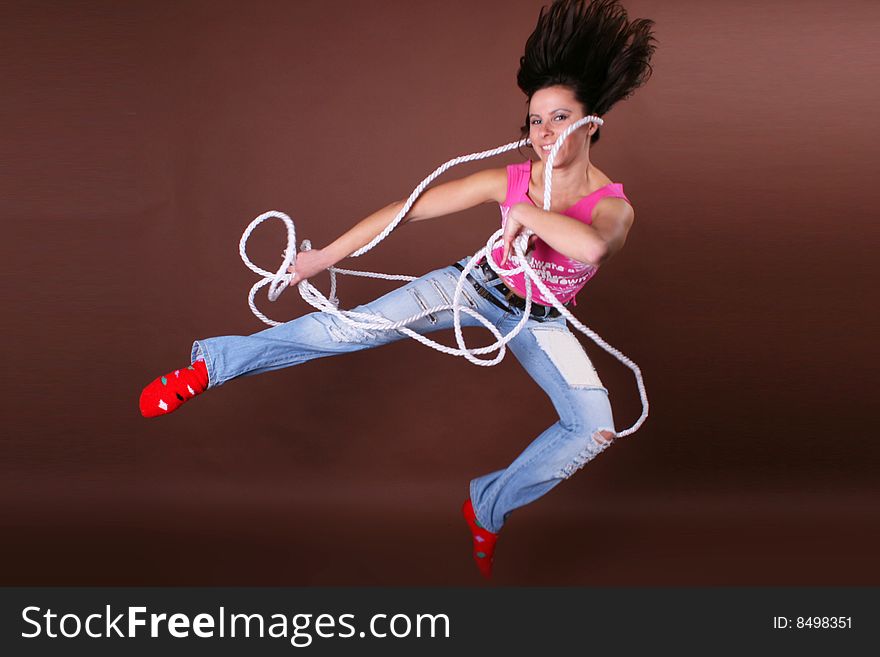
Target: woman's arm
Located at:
point(481, 187)
point(591, 244)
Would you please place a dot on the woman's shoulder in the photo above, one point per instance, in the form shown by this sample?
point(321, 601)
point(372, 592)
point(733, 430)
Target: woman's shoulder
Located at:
point(517, 177)
point(608, 198)
point(607, 188)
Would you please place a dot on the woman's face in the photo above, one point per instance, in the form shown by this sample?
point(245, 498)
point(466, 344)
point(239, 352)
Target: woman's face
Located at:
point(551, 111)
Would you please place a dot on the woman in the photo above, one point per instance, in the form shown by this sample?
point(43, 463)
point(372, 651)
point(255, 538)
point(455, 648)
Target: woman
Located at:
point(580, 60)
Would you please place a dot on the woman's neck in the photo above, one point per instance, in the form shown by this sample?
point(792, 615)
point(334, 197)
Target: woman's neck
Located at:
point(573, 179)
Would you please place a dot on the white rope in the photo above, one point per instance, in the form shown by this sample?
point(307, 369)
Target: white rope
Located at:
point(280, 279)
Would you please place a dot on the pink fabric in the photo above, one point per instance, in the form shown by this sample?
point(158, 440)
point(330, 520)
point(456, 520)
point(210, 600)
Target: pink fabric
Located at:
point(562, 275)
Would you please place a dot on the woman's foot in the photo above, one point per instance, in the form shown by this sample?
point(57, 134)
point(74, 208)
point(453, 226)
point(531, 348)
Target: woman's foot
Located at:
point(168, 392)
point(484, 540)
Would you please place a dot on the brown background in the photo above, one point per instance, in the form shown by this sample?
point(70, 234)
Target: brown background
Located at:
point(141, 138)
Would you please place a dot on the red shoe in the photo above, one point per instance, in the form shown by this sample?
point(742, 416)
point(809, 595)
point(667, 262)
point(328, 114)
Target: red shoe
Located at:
point(484, 540)
point(167, 393)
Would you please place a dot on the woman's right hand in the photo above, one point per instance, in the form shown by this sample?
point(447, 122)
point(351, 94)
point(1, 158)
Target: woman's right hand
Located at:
point(308, 263)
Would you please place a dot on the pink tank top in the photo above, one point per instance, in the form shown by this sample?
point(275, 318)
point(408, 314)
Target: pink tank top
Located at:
point(562, 275)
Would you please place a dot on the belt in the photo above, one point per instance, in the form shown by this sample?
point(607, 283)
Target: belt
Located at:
point(539, 311)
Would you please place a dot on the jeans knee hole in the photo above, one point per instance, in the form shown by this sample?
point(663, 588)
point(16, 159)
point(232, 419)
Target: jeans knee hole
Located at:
point(335, 334)
point(603, 438)
point(600, 440)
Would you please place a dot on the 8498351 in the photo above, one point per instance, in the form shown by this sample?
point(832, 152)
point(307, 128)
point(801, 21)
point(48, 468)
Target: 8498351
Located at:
point(823, 622)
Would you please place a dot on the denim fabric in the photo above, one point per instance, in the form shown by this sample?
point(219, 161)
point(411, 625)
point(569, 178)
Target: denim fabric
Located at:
point(545, 348)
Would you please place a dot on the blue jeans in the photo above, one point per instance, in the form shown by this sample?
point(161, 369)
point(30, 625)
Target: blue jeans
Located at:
point(546, 349)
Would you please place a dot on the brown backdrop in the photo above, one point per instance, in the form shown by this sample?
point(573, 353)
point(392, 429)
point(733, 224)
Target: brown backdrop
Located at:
point(140, 140)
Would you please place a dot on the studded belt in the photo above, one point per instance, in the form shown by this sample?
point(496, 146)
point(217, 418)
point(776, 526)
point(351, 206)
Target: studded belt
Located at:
point(539, 311)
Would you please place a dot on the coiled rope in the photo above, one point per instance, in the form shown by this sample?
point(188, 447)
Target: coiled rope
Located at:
point(280, 279)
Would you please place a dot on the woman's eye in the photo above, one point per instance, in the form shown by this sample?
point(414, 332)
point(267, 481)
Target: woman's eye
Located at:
point(536, 121)
point(560, 117)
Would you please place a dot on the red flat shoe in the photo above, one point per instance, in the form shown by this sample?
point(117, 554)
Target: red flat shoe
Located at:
point(484, 540)
point(167, 393)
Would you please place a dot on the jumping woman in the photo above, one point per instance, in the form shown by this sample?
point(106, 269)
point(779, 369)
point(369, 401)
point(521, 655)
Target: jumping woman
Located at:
point(582, 58)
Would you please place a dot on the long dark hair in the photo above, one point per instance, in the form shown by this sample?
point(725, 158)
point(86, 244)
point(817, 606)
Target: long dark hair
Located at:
point(590, 47)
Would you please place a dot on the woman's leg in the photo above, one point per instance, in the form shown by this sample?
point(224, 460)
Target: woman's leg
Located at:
point(320, 334)
point(217, 360)
point(555, 359)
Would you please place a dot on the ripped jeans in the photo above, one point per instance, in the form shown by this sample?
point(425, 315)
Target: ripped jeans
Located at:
point(548, 351)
